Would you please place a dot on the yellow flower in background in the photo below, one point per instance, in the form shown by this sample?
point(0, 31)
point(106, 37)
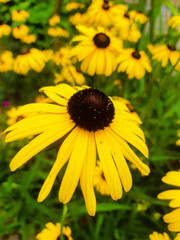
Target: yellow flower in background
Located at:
point(15, 115)
point(174, 22)
point(74, 5)
point(19, 15)
point(29, 59)
point(58, 32)
point(100, 181)
point(53, 231)
point(138, 16)
point(55, 19)
point(92, 122)
point(4, 1)
point(20, 31)
point(49, 53)
point(97, 50)
point(102, 13)
point(164, 53)
point(159, 236)
point(178, 133)
point(62, 57)
point(6, 61)
point(79, 19)
point(4, 30)
point(30, 38)
point(172, 178)
point(134, 63)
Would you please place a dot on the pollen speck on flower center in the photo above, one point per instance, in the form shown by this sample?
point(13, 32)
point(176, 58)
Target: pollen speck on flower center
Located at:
point(91, 109)
point(101, 40)
point(136, 55)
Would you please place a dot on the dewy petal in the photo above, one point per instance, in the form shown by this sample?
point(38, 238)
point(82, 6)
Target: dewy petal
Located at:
point(73, 171)
point(62, 157)
point(39, 143)
point(87, 175)
point(109, 168)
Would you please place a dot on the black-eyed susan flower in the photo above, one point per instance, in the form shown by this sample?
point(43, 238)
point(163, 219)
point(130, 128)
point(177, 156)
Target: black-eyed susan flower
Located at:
point(19, 15)
point(62, 57)
point(53, 231)
point(97, 50)
point(134, 63)
point(15, 115)
point(100, 182)
point(58, 32)
point(79, 19)
point(173, 218)
point(49, 53)
point(174, 22)
point(73, 6)
point(55, 19)
point(29, 59)
point(6, 61)
point(164, 53)
point(20, 31)
point(30, 38)
point(5, 30)
point(138, 16)
point(91, 121)
point(102, 13)
point(159, 236)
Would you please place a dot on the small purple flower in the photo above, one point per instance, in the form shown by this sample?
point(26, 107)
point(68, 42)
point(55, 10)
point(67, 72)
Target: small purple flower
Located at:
point(5, 103)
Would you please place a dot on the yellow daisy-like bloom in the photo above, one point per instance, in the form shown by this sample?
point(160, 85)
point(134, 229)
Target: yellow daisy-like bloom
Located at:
point(100, 182)
point(4, 1)
point(103, 13)
point(62, 57)
point(58, 32)
point(159, 236)
point(20, 31)
point(173, 218)
point(55, 19)
point(97, 50)
point(29, 59)
point(164, 53)
point(134, 63)
point(4, 30)
point(53, 231)
point(19, 15)
point(79, 19)
point(6, 61)
point(74, 5)
point(30, 38)
point(174, 22)
point(49, 53)
point(138, 16)
point(15, 115)
point(92, 122)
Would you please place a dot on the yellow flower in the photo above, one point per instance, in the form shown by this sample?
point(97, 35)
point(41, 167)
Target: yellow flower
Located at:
point(174, 22)
point(55, 19)
point(138, 16)
point(4, 1)
point(62, 57)
point(30, 38)
point(29, 59)
point(19, 15)
point(92, 122)
point(79, 18)
point(4, 30)
point(164, 53)
point(15, 115)
point(159, 236)
point(52, 232)
point(49, 54)
point(20, 31)
point(97, 50)
point(100, 181)
point(134, 63)
point(6, 61)
point(58, 32)
point(74, 5)
point(178, 133)
point(172, 178)
point(103, 13)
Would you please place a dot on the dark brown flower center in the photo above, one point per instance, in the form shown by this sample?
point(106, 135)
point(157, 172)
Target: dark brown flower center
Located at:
point(101, 40)
point(25, 51)
point(136, 55)
point(105, 5)
point(126, 15)
point(91, 109)
point(19, 118)
point(171, 47)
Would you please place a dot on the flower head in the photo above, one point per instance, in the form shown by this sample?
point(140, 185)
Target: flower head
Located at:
point(55, 19)
point(159, 236)
point(134, 63)
point(62, 57)
point(138, 16)
point(97, 50)
point(53, 231)
point(174, 22)
point(30, 38)
point(19, 15)
point(15, 115)
point(6, 61)
point(20, 31)
point(73, 6)
point(4, 30)
point(58, 32)
point(92, 122)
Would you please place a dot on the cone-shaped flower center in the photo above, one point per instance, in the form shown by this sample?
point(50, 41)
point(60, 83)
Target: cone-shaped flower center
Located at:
point(91, 109)
point(101, 40)
point(105, 5)
point(136, 55)
point(26, 51)
point(126, 15)
point(171, 47)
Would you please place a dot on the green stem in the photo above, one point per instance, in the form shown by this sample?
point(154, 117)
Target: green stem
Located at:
point(154, 98)
point(64, 213)
point(58, 6)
